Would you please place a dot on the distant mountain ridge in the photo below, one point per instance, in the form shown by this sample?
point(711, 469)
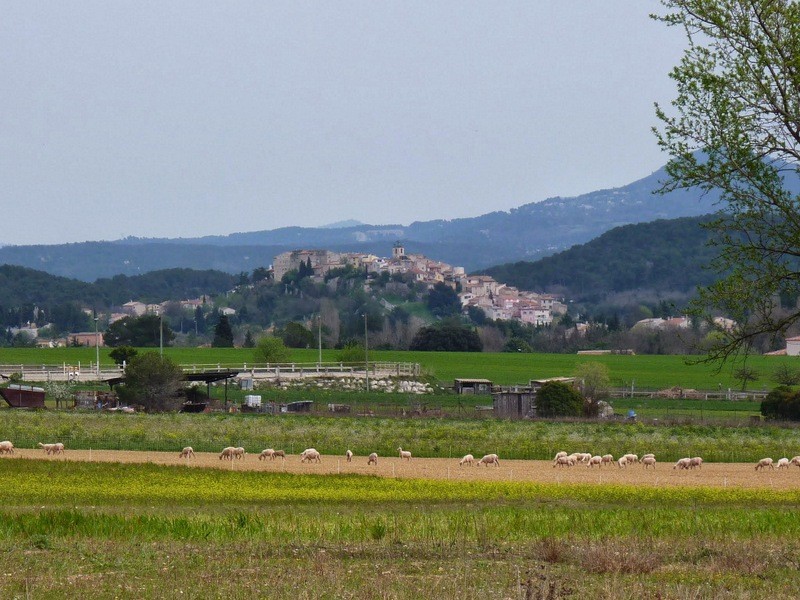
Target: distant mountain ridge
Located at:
point(529, 232)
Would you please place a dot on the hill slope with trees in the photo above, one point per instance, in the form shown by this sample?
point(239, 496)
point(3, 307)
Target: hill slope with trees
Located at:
point(664, 256)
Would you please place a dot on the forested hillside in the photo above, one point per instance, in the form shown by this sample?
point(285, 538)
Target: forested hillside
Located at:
point(663, 256)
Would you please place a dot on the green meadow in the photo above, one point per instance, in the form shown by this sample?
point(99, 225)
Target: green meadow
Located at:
point(640, 371)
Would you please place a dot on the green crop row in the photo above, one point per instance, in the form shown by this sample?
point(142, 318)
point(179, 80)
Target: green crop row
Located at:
point(32, 483)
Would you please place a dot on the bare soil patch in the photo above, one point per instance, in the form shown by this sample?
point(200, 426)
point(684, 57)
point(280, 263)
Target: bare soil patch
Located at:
point(735, 475)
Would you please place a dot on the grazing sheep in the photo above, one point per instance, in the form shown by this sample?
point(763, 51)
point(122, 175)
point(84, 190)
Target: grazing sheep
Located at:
point(607, 458)
point(783, 463)
point(278, 454)
point(696, 462)
point(6, 447)
point(468, 459)
point(559, 455)
point(631, 458)
point(489, 459)
point(57, 448)
point(239, 453)
point(187, 452)
point(648, 456)
point(764, 463)
point(622, 462)
point(595, 460)
point(309, 455)
point(266, 453)
point(564, 461)
point(227, 453)
point(682, 463)
point(583, 457)
point(373, 459)
point(649, 461)
point(349, 456)
point(404, 454)
point(795, 461)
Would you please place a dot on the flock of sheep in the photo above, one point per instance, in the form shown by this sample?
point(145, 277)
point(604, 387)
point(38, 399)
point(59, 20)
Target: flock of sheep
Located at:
point(561, 459)
point(313, 455)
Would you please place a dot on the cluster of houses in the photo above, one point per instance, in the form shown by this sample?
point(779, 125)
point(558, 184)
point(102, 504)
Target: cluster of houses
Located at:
point(497, 300)
point(93, 338)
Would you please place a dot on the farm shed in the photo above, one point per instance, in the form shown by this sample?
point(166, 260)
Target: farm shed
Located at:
point(299, 406)
point(515, 403)
point(472, 386)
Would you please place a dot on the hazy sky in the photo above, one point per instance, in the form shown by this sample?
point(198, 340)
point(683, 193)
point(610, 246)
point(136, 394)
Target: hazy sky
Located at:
point(181, 119)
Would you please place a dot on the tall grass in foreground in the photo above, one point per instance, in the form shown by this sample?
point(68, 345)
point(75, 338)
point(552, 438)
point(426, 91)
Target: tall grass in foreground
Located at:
point(97, 531)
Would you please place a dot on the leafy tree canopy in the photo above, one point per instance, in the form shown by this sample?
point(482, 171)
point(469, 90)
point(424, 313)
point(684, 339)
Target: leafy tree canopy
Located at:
point(557, 399)
point(733, 129)
point(295, 335)
point(140, 332)
point(447, 336)
point(154, 381)
point(223, 334)
point(271, 350)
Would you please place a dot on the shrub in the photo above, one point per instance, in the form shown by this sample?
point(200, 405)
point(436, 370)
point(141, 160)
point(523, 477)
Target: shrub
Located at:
point(782, 403)
point(556, 399)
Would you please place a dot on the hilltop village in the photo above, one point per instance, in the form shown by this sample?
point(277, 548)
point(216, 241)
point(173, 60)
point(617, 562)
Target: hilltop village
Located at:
point(497, 300)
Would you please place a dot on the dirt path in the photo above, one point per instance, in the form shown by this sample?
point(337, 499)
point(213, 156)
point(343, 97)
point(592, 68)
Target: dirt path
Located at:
point(737, 475)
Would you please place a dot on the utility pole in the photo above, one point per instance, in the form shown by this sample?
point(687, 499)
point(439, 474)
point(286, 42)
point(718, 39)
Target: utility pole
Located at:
point(97, 346)
point(161, 334)
point(366, 351)
point(319, 337)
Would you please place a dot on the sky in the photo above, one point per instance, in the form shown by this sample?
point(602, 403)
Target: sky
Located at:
point(191, 118)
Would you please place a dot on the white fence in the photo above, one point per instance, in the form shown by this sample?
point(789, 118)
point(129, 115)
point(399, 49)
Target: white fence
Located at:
point(258, 371)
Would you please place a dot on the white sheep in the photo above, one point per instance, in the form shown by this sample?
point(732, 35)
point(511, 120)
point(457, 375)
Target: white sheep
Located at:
point(564, 461)
point(649, 461)
point(489, 459)
point(595, 460)
point(696, 462)
point(683, 463)
point(238, 453)
point(266, 453)
point(349, 456)
point(187, 452)
point(583, 457)
point(404, 454)
point(468, 459)
point(6, 447)
point(607, 458)
point(373, 459)
point(648, 456)
point(622, 462)
point(764, 463)
point(309, 455)
point(278, 454)
point(227, 453)
point(631, 458)
point(57, 448)
point(795, 461)
point(783, 463)
point(559, 455)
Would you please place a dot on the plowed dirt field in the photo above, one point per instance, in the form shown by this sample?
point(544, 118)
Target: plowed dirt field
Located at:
point(663, 475)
